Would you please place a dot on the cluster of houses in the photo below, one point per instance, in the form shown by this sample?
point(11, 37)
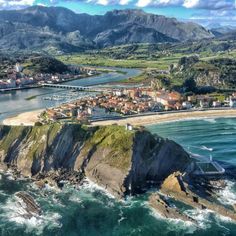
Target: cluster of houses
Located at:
point(140, 100)
point(134, 101)
point(207, 101)
point(17, 79)
point(125, 101)
point(80, 110)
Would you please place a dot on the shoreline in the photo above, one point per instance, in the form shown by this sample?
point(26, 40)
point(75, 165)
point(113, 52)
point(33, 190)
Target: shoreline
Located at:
point(26, 118)
point(158, 118)
point(29, 118)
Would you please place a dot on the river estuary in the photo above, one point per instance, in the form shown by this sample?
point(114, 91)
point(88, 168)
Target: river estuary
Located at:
point(15, 102)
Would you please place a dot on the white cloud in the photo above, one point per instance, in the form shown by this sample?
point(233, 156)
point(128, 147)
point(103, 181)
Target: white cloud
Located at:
point(143, 3)
point(103, 2)
point(216, 5)
point(124, 2)
point(15, 3)
point(191, 3)
point(107, 2)
point(202, 4)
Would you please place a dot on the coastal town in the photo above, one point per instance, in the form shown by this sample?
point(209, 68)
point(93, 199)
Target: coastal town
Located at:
point(127, 102)
point(17, 79)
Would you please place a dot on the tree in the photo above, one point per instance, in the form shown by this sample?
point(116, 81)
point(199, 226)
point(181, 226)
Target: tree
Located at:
point(190, 85)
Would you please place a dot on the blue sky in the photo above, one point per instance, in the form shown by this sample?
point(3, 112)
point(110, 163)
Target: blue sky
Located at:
point(201, 11)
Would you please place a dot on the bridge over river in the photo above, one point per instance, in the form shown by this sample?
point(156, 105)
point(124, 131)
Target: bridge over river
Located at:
point(77, 88)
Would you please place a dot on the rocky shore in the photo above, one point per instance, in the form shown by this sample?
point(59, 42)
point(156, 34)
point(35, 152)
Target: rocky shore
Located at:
point(199, 193)
point(27, 202)
point(120, 161)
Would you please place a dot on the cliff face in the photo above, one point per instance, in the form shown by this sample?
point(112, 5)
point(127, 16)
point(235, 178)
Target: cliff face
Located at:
point(40, 149)
point(121, 161)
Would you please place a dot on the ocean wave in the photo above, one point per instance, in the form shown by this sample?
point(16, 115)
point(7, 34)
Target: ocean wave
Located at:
point(122, 218)
point(10, 177)
point(91, 186)
point(199, 157)
point(220, 222)
point(75, 198)
point(228, 194)
point(210, 120)
point(223, 219)
point(3, 193)
point(175, 225)
point(201, 216)
point(203, 147)
point(14, 212)
point(133, 201)
point(227, 133)
point(206, 148)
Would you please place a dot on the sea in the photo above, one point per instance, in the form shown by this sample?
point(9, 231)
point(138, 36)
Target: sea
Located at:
point(91, 211)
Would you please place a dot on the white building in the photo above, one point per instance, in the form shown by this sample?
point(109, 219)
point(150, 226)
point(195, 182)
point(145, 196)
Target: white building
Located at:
point(18, 68)
point(232, 102)
point(216, 104)
point(187, 105)
point(118, 92)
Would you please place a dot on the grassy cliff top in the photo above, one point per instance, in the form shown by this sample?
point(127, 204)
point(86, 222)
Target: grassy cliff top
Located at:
point(41, 138)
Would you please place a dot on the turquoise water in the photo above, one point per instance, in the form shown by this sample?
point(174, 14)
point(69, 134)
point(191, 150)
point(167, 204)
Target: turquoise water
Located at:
point(90, 211)
point(208, 137)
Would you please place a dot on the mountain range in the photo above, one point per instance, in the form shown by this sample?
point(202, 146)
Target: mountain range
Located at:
point(60, 29)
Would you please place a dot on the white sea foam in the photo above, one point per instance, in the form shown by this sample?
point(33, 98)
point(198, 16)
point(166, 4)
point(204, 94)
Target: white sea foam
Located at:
point(75, 198)
point(201, 216)
point(175, 224)
point(199, 157)
point(10, 177)
point(203, 147)
point(210, 120)
point(226, 133)
point(91, 186)
point(224, 218)
point(122, 218)
point(206, 148)
point(228, 195)
point(14, 211)
point(3, 193)
point(157, 215)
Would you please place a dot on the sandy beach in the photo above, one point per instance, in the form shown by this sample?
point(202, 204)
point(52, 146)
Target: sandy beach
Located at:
point(29, 118)
point(170, 117)
point(26, 119)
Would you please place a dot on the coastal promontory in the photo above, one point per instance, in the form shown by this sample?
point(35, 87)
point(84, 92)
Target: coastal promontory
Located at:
point(122, 161)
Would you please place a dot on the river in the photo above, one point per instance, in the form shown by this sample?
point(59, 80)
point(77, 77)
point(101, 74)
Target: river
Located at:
point(15, 102)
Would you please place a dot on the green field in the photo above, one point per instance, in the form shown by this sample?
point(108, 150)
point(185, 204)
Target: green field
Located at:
point(92, 60)
point(156, 60)
point(154, 57)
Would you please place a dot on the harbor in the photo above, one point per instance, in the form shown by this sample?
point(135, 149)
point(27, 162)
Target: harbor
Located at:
point(15, 102)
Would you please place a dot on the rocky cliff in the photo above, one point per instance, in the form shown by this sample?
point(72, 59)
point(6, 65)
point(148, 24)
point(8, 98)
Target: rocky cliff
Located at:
point(123, 162)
